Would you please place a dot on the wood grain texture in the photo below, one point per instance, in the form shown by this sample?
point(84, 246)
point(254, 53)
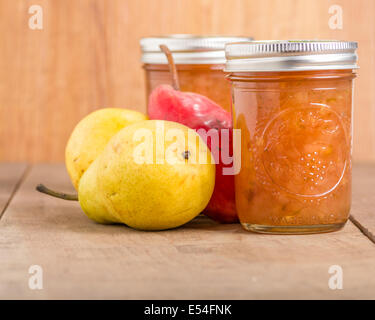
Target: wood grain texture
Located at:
point(10, 176)
point(364, 196)
point(201, 260)
point(87, 56)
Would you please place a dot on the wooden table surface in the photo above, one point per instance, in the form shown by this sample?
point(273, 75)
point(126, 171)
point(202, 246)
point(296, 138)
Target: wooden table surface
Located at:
point(201, 260)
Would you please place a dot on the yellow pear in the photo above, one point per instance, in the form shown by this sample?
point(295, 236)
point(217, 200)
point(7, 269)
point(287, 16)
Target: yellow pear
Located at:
point(92, 202)
point(92, 134)
point(152, 175)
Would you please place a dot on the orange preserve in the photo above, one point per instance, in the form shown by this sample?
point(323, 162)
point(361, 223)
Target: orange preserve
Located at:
point(292, 101)
point(199, 60)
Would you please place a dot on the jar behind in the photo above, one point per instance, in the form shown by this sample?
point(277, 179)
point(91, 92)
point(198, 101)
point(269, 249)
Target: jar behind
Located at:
point(296, 141)
point(205, 79)
point(199, 60)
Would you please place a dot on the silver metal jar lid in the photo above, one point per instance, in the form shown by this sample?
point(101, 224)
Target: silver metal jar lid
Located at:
point(187, 48)
point(290, 55)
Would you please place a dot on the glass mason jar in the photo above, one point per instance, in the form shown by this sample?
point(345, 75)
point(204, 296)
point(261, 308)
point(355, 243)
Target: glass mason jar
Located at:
point(199, 60)
point(292, 101)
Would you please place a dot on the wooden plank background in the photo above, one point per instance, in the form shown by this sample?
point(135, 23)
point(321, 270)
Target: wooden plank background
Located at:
point(87, 56)
point(82, 259)
point(363, 196)
point(10, 179)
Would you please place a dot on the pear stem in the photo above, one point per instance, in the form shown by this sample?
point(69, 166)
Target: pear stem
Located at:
point(172, 66)
point(43, 189)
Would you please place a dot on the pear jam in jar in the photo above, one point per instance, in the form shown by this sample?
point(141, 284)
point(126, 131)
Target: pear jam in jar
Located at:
point(199, 60)
point(292, 101)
